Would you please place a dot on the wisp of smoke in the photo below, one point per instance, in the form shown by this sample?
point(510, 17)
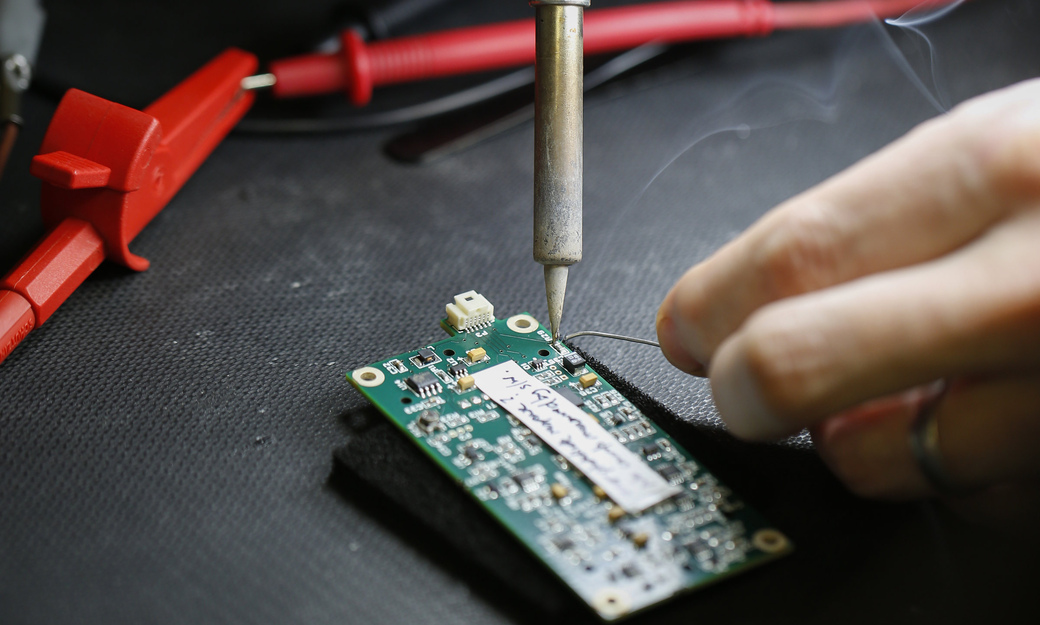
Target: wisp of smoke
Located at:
point(912, 21)
point(766, 101)
point(797, 99)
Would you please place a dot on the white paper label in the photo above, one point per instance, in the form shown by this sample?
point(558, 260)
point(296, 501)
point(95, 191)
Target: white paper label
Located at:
point(576, 436)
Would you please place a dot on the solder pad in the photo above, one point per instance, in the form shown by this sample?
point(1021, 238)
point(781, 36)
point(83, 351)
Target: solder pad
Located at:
point(616, 561)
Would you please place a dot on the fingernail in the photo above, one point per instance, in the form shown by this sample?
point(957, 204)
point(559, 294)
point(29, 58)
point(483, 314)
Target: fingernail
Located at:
point(673, 348)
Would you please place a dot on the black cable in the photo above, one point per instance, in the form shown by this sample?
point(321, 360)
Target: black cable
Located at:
point(384, 20)
point(403, 115)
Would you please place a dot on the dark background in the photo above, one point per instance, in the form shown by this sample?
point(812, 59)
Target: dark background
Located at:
point(167, 439)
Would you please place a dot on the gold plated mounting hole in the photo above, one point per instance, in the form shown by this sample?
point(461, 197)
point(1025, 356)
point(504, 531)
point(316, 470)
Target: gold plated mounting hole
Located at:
point(522, 324)
point(770, 541)
point(368, 376)
point(611, 603)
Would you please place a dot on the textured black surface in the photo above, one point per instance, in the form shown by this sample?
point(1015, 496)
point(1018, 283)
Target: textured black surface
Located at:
point(166, 439)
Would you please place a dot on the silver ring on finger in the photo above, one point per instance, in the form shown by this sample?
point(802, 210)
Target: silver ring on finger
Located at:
point(924, 444)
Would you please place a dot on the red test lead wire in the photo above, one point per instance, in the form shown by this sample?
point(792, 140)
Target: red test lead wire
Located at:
point(359, 67)
point(107, 170)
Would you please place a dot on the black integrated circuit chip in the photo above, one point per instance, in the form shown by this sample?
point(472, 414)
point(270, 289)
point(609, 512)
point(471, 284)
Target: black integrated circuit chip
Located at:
point(425, 356)
point(570, 396)
point(423, 383)
point(572, 362)
point(527, 480)
point(562, 543)
point(651, 451)
point(670, 473)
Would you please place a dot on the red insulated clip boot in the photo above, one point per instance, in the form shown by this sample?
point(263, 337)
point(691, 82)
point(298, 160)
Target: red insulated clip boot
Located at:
point(107, 170)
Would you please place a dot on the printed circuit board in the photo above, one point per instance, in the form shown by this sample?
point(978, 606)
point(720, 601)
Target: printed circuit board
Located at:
point(613, 505)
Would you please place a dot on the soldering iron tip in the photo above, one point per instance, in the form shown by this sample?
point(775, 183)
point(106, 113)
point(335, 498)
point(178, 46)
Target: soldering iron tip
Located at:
point(555, 290)
point(260, 81)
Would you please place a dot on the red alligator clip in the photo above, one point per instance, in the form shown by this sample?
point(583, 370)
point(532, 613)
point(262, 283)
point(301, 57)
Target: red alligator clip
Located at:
point(107, 170)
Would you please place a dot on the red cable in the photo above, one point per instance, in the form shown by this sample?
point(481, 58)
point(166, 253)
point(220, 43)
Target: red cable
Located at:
point(359, 67)
point(791, 15)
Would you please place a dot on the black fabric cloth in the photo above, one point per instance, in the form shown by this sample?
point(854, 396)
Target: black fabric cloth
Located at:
point(181, 445)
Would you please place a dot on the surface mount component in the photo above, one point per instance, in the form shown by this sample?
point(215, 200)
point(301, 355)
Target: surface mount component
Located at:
point(470, 311)
point(424, 384)
point(572, 362)
point(570, 396)
point(607, 500)
point(425, 356)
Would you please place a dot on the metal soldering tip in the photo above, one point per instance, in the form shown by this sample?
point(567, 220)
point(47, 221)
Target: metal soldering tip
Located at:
point(260, 81)
point(555, 290)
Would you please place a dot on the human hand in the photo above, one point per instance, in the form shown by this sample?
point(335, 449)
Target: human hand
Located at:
point(838, 309)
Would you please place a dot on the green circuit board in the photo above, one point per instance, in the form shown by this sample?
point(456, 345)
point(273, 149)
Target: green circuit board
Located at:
point(615, 507)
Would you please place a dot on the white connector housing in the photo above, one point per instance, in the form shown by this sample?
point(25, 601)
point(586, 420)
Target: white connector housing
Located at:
point(471, 311)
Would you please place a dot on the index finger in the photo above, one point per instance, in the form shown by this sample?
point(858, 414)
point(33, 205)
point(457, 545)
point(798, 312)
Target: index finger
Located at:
point(920, 198)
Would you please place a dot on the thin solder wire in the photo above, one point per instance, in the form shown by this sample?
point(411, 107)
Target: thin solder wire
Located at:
point(608, 335)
